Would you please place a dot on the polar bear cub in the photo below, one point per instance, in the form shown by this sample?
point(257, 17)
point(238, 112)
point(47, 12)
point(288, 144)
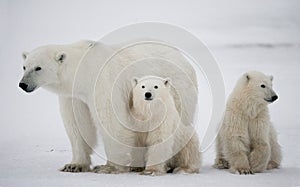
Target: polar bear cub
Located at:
point(247, 142)
point(170, 145)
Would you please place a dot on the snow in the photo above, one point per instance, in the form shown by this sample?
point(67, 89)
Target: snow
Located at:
point(253, 34)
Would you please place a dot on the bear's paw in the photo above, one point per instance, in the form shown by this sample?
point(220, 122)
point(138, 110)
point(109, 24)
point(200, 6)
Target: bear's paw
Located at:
point(272, 165)
point(241, 171)
point(75, 168)
point(221, 164)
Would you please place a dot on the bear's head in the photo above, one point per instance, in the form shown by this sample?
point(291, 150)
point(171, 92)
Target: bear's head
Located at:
point(259, 87)
point(150, 88)
point(41, 68)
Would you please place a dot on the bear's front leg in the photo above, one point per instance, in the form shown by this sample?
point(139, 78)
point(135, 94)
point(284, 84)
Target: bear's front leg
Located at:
point(259, 132)
point(276, 156)
point(74, 113)
point(220, 162)
point(157, 156)
point(154, 163)
point(236, 152)
point(259, 156)
point(188, 159)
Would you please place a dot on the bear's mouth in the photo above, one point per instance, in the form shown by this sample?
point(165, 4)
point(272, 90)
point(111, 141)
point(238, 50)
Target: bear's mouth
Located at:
point(29, 90)
point(148, 99)
point(269, 100)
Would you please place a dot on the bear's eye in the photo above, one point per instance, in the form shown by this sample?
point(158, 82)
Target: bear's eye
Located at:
point(38, 68)
point(24, 68)
point(155, 87)
point(143, 86)
point(263, 86)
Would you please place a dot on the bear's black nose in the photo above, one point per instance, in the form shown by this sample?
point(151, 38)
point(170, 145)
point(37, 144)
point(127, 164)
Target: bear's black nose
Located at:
point(23, 86)
point(148, 95)
point(274, 98)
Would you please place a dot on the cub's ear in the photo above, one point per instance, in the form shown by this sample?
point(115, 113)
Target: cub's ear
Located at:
point(24, 55)
point(247, 77)
point(271, 77)
point(167, 82)
point(60, 57)
point(134, 81)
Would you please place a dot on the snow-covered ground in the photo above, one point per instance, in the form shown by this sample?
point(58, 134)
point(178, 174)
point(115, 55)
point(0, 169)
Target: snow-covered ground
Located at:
point(242, 35)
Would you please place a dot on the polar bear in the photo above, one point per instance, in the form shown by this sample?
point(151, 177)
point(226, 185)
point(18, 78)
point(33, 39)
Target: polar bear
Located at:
point(82, 73)
point(169, 145)
point(247, 141)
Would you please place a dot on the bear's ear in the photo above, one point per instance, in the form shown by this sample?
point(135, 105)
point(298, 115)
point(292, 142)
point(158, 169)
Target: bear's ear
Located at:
point(60, 57)
point(247, 77)
point(134, 81)
point(167, 82)
point(271, 77)
point(24, 55)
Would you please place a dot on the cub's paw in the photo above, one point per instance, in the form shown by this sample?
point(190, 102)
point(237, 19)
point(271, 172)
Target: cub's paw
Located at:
point(75, 168)
point(152, 172)
point(241, 171)
point(272, 165)
point(105, 169)
point(221, 164)
point(137, 169)
point(182, 170)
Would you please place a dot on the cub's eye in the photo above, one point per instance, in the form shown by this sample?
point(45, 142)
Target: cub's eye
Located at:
point(155, 87)
point(38, 68)
point(24, 68)
point(263, 86)
point(143, 86)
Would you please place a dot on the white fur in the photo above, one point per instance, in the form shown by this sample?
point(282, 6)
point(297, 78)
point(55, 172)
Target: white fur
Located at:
point(163, 135)
point(247, 141)
point(75, 80)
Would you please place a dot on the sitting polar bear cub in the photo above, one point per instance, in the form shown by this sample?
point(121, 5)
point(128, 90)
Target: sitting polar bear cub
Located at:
point(170, 145)
point(247, 142)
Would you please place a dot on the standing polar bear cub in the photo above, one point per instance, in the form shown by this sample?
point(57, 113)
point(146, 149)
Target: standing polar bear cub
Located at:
point(247, 142)
point(169, 144)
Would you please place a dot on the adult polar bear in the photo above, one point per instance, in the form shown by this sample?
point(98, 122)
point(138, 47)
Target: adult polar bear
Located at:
point(85, 74)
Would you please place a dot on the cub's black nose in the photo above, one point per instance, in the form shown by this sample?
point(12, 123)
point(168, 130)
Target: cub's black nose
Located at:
point(23, 86)
point(148, 95)
point(274, 98)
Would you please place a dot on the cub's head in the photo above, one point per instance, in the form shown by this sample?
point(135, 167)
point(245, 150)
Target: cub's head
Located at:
point(150, 88)
point(41, 67)
point(259, 86)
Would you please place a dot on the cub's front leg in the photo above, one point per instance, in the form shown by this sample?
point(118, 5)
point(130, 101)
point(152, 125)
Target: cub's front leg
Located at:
point(259, 129)
point(160, 151)
point(220, 162)
point(259, 156)
point(276, 155)
point(236, 150)
point(188, 159)
point(76, 118)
